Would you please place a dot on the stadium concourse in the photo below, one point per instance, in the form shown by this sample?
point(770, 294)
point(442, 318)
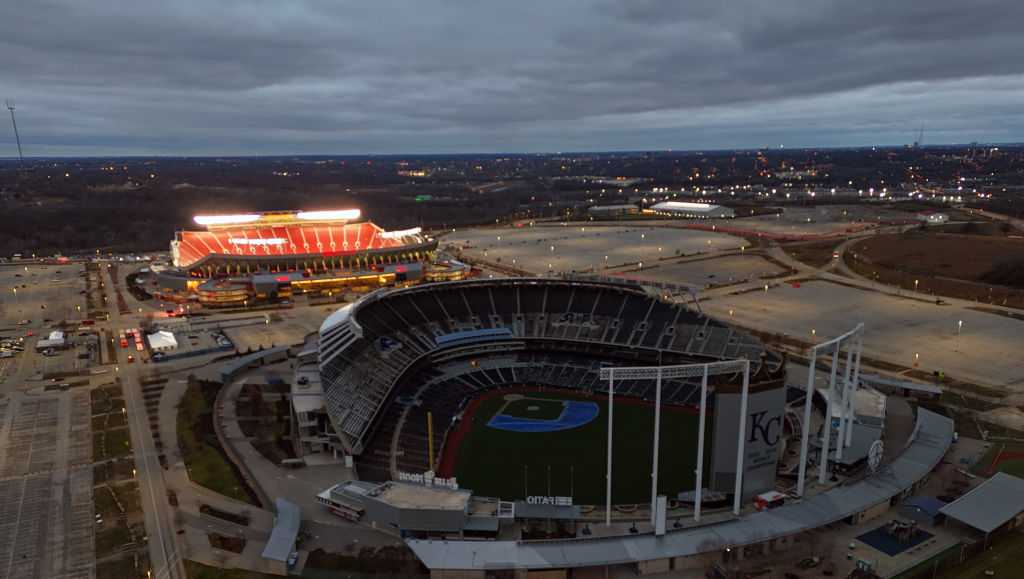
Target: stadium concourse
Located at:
point(500, 383)
point(258, 257)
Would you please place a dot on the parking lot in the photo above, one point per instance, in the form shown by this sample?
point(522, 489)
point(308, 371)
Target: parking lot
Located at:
point(46, 512)
point(704, 272)
point(39, 293)
point(579, 246)
point(968, 344)
point(821, 220)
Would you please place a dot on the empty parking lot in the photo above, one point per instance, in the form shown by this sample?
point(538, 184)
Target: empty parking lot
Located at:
point(46, 511)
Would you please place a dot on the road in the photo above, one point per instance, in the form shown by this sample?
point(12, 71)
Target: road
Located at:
point(164, 555)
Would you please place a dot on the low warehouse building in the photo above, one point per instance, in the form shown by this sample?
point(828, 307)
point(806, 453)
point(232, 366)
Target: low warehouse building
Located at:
point(689, 210)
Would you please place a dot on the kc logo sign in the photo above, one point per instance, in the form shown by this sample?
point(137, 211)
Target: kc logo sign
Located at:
point(765, 429)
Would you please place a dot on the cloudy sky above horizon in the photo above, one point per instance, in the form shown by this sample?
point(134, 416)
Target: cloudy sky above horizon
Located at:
point(187, 77)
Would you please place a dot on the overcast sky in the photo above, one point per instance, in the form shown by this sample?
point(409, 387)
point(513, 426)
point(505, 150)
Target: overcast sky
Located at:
point(206, 77)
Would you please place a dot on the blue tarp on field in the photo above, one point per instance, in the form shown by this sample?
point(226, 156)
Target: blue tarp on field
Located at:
point(574, 414)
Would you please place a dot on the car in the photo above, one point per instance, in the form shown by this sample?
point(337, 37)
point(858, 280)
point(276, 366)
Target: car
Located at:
point(131, 358)
point(303, 380)
point(24, 322)
point(293, 558)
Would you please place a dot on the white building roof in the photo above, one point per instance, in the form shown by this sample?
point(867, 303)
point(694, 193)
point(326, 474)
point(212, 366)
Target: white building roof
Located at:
point(162, 340)
point(990, 505)
point(685, 206)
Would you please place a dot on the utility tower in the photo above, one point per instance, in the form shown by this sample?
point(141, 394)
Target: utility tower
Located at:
point(17, 138)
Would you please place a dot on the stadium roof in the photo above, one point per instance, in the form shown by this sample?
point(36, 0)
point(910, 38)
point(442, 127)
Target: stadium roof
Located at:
point(685, 206)
point(990, 505)
point(285, 531)
point(338, 316)
point(934, 434)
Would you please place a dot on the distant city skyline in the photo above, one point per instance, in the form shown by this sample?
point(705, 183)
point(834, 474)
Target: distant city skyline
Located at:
point(303, 78)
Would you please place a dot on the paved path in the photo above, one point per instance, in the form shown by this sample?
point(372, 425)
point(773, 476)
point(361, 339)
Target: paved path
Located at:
point(164, 553)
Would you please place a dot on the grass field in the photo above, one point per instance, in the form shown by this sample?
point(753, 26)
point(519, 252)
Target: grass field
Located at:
point(512, 465)
point(1003, 559)
point(205, 460)
point(1005, 457)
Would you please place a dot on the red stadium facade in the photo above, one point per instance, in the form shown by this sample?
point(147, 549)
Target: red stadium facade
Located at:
point(237, 260)
point(285, 241)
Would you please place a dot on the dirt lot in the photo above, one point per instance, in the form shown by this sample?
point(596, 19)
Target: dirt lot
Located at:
point(961, 266)
point(814, 254)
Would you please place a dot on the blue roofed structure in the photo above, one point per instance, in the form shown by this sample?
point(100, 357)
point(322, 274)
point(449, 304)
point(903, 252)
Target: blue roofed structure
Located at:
point(286, 530)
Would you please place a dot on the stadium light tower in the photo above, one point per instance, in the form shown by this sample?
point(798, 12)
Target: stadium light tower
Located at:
point(17, 138)
point(854, 342)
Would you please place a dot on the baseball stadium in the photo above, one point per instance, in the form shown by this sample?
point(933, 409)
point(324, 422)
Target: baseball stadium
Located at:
point(489, 421)
point(252, 257)
point(525, 353)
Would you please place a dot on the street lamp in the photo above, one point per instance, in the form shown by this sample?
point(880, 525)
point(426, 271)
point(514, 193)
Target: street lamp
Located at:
point(916, 281)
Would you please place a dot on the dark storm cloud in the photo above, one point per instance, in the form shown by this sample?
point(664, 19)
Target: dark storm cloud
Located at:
point(308, 77)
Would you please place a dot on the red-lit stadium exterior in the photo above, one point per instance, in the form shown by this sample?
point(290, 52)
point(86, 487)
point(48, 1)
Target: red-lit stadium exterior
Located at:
point(245, 259)
point(278, 243)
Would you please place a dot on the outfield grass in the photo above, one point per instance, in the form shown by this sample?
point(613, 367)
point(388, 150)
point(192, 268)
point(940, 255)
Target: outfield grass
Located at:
point(511, 465)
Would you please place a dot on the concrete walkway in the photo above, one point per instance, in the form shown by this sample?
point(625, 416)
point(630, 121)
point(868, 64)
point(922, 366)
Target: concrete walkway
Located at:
point(191, 496)
point(299, 486)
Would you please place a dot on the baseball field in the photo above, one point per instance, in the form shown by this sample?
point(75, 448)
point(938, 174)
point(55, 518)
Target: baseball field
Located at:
point(514, 443)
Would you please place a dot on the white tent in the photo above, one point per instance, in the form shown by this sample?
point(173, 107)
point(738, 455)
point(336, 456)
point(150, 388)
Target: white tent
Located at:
point(162, 341)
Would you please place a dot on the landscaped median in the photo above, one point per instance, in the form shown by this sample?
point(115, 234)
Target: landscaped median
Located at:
point(204, 457)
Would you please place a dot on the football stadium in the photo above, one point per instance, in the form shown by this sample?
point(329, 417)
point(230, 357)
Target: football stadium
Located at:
point(252, 257)
point(559, 425)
